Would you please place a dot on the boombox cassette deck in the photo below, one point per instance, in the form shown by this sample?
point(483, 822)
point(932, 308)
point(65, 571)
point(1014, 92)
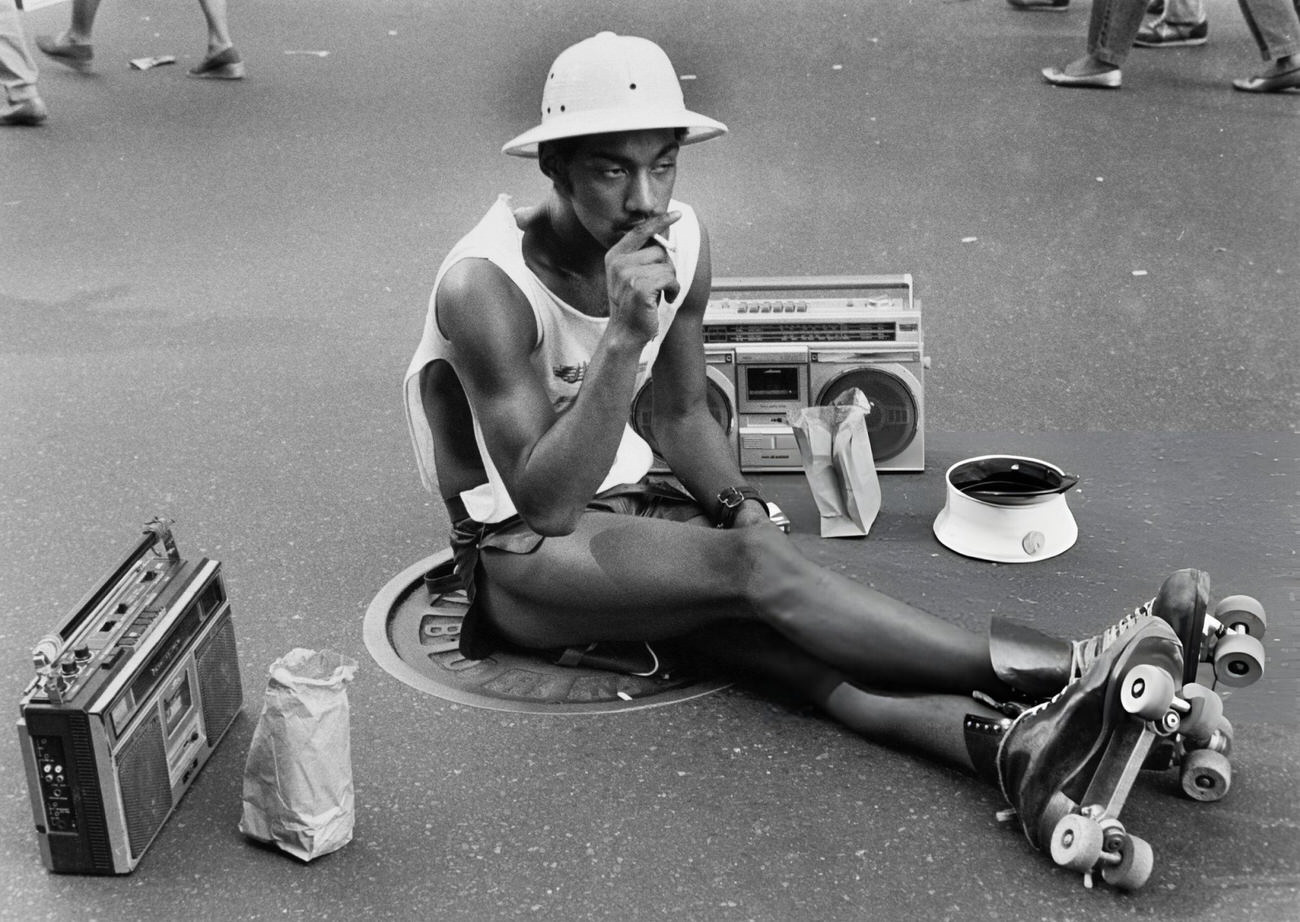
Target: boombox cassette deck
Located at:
point(776, 344)
point(133, 692)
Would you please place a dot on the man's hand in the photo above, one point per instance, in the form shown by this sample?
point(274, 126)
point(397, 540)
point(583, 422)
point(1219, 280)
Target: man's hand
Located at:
point(751, 512)
point(637, 272)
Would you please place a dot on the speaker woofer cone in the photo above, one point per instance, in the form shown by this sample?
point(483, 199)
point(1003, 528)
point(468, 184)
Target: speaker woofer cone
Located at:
point(892, 422)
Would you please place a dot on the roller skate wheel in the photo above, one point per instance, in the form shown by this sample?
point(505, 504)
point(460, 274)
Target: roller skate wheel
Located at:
point(1077, 842)
point(1243, 613)
point(1136, 861)
point(1148, 692)
point(1059, 805)
point(1205, 712)
point(1206, 775)
point(1238, 660)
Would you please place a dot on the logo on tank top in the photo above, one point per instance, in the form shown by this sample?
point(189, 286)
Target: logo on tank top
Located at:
point(574, 374)
point(570, 374)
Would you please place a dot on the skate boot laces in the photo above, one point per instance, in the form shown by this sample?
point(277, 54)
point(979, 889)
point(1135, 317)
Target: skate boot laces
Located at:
point(1083, 653)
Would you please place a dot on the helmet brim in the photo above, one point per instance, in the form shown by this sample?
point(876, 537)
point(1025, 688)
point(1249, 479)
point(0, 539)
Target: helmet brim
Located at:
point(606, 121)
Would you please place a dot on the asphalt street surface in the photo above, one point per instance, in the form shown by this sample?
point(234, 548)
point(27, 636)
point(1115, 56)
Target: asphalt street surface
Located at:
point(209, 293)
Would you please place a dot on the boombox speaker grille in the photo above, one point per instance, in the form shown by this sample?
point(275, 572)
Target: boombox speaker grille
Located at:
point(219, 685)
point(643, 408)
point(83, 757)
point(893, 420)
point(146, 786)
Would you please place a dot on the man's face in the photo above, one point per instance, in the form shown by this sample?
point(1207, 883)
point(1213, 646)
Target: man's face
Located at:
point(616, 181)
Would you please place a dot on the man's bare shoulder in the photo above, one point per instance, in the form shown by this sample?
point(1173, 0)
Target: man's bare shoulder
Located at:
point(473, 277)
point(475, 295)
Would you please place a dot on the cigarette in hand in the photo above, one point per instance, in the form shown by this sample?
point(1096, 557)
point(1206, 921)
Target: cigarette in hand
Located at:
point(663, 242)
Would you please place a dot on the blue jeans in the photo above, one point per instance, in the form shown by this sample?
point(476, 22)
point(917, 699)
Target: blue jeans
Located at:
point(1275, 24)
point(1184, 12)
point(1112, 27)
point(17, 69)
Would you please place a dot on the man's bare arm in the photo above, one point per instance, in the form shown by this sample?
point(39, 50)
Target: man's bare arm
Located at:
point(551, 463)
point(688, 436)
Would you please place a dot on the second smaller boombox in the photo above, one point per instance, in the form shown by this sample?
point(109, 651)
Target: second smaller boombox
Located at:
point(773, 345)
point(133, 691)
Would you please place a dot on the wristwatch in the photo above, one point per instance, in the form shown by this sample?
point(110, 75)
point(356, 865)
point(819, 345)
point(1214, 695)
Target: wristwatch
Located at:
point(730, 499)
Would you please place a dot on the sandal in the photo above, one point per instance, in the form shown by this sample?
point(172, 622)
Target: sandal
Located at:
point(224, 65)
point(76, 55)
point(1269, 83)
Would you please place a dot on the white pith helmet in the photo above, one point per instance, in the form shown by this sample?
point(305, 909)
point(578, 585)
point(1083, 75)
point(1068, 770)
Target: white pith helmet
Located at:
point(1007, 509)
point(610, 83)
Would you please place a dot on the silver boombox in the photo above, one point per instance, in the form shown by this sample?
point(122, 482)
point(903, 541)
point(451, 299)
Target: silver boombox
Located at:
point(132, 693)
point(773, 345)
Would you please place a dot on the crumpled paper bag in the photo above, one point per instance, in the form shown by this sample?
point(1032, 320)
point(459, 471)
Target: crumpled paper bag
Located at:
point(835, 448)
point(298, 791)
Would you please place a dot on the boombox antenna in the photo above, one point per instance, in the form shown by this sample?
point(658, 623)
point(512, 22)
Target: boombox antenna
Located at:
point(161, 529)
point(157, 529)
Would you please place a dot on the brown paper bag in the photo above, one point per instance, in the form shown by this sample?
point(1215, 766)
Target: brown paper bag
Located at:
point(298, 778)
point(835, 448)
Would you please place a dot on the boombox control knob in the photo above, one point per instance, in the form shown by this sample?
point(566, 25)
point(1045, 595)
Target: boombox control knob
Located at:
point(82, 654)
point(69, 667)
point(47, 650)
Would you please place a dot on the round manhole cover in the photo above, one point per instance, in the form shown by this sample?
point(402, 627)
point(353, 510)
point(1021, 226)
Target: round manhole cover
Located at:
point(414, 636)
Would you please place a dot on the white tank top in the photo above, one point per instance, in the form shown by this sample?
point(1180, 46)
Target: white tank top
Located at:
point(565, 341)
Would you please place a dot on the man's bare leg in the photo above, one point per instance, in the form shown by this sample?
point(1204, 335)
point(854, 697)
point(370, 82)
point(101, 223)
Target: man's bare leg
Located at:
point(215, 15)
point(83, 21)
point(929, 725)
point(73, 46)
point(627, 578)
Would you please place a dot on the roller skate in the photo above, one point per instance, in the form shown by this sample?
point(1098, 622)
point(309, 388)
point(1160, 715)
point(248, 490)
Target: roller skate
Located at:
point(1180, 603)
point(1233, 641)
point(1229, 641)
point(1066, 766)
point(1037, 665)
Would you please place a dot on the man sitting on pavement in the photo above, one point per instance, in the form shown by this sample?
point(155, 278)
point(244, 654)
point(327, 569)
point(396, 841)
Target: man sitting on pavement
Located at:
point(543, 324)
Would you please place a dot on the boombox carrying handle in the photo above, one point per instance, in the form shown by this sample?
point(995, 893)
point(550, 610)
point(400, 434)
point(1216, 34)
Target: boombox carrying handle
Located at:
point(156, 531)
point(810, 282)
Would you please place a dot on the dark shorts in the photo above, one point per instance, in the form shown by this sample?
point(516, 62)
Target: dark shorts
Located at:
point(649, 499)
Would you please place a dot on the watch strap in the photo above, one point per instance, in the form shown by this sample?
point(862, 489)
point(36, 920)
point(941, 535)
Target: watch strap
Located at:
point(730, 500)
